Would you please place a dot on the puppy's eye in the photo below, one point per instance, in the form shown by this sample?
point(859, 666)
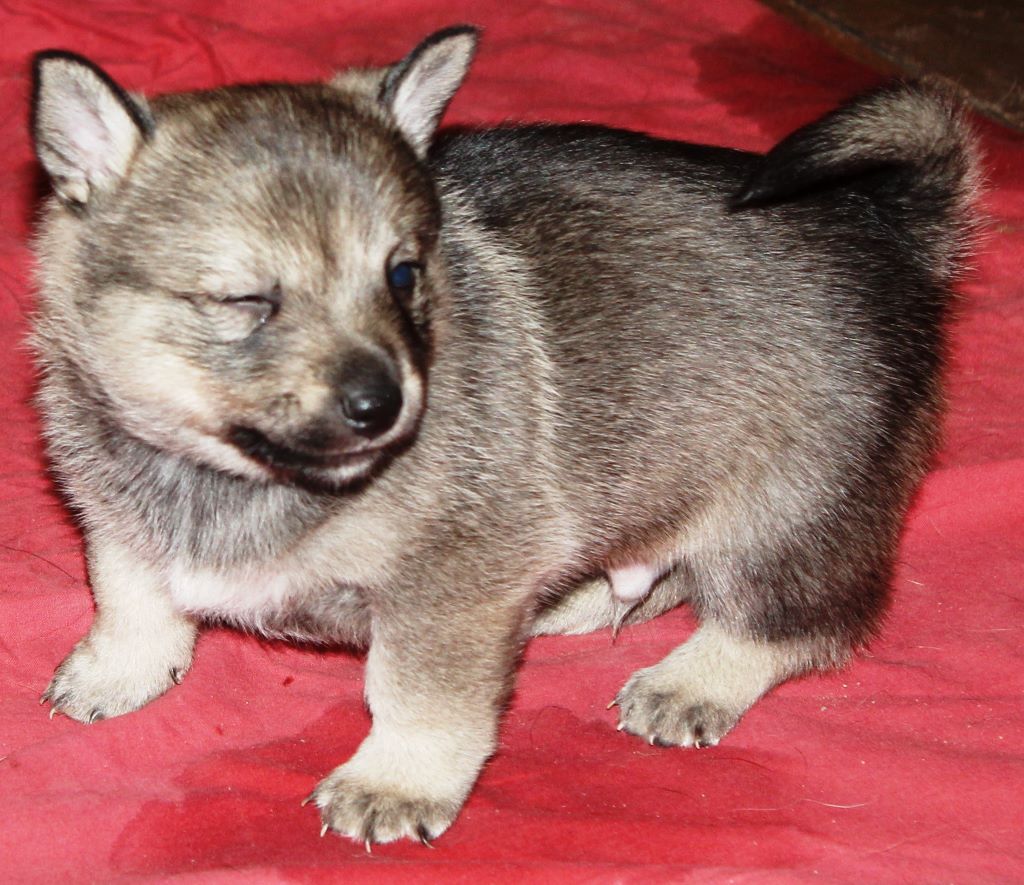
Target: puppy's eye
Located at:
point(234, 317)
point(402, 277)
point(257, 308)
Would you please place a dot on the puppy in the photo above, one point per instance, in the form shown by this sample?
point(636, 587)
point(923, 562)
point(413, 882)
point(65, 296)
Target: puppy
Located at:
point(311, 372)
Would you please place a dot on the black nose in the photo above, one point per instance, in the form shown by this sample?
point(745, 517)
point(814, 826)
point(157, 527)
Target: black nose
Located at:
point(371, 404)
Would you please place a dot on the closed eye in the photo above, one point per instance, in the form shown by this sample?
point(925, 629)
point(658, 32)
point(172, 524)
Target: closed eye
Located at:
point(235, 317)
point(261, 308)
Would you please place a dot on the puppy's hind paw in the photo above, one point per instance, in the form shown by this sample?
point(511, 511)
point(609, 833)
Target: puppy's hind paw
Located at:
point(672, 719)
point(695, 696)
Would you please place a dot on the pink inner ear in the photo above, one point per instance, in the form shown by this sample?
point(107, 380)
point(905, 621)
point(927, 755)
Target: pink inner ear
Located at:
point(428, 86)
point(87, 133)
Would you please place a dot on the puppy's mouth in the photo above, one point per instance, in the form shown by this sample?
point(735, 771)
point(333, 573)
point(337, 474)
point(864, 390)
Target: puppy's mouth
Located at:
point(290, 459)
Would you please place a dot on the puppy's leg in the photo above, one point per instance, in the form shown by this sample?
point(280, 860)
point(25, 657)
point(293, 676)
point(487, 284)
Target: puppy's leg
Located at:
point(435, 682)
point(768, 612)
point(696, 694)
point(137, 648)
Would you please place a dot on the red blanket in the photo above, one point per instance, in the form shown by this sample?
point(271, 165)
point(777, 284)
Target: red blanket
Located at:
point(908, 766)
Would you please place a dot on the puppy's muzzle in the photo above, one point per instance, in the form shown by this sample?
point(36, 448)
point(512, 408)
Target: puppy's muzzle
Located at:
point(355, 423)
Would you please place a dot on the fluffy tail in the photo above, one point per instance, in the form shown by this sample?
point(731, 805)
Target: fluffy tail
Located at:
point(908, 146)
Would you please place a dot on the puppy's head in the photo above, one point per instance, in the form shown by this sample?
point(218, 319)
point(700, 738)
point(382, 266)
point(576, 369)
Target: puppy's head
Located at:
point(245, 276)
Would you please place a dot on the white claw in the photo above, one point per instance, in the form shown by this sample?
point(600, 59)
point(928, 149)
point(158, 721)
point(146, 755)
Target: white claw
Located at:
point(630, 583)
point(323, 830)
point(622, 609)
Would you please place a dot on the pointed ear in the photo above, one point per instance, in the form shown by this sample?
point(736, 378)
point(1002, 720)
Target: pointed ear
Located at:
point(86, 127)
point(418, 88)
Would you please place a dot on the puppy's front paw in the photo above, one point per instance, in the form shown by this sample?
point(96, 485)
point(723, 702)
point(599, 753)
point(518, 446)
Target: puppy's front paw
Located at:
point(367, 812)
point(102, 678)
point(407, 784)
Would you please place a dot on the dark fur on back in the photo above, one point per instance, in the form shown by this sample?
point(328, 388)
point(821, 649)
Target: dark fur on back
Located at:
point(700, 297)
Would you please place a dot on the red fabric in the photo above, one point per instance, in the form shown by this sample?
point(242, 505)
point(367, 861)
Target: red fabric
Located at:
point(908, 766)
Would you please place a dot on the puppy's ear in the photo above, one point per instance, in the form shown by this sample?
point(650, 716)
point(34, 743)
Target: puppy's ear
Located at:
point(418, 88)
point(86, 127)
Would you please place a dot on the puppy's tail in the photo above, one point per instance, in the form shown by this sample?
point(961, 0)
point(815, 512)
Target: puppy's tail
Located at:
point(908, 147)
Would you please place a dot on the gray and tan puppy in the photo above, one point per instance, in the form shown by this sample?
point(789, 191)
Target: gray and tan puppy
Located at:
point(309, 372)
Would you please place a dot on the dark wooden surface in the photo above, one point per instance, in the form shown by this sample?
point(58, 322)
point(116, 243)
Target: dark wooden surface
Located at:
point(977, 46)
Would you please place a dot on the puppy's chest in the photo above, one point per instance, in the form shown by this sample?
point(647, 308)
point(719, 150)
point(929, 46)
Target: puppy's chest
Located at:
point(290, 598)
point(245, 591)
point(311, 591)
